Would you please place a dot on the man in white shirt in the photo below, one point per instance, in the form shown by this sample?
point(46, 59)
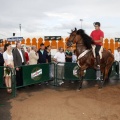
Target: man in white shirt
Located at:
point(117, 58)
point(117, 54)
point(60, 57)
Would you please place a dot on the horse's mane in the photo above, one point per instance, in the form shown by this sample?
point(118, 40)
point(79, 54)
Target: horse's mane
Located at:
point(87, 40)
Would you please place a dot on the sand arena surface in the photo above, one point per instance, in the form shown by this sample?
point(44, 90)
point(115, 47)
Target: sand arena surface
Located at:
point(63, 103)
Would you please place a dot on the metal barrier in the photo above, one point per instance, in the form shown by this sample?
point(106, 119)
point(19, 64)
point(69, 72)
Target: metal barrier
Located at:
point(114, 71)
point(35, 74)
point(2, 81)
point(2, 85)
point(70, 72)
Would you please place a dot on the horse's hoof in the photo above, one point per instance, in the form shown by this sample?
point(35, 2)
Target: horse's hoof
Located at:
point(96, 85)
point(78, 90)
point(99, 89)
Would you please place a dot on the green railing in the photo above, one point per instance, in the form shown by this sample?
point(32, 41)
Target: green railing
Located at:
point(70, 72)
point(35, 74)
point(114, 71)
point(40, 73)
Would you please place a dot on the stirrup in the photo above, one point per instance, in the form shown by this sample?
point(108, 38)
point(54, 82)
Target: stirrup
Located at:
point(98, 66)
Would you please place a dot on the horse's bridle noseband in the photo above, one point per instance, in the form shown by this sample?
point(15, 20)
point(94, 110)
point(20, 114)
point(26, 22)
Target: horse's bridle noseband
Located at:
point(76, 42)
point(73, 39)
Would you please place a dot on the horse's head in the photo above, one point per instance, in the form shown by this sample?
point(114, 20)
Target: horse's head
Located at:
point(80, 37)
point(72, 38)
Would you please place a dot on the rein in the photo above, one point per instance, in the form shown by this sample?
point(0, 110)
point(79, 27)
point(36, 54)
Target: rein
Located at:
point(82, 55)
point(73, 39)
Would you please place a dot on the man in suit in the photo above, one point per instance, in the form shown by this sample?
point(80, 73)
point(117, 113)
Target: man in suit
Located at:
point(42, 53)
point(19, 60)
point(1, 57)
point(33, 56)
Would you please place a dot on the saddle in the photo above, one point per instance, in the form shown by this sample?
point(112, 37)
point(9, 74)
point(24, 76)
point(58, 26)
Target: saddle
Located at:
point(100, 51)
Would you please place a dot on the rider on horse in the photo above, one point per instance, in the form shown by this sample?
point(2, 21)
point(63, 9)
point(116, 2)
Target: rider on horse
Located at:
point(97, 35)
point(85, 53)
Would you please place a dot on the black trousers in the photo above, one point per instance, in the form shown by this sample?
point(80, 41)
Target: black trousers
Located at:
point(97, 49)
point(19, 77)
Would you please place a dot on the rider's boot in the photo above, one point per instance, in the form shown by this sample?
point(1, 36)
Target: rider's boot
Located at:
point(98, 72)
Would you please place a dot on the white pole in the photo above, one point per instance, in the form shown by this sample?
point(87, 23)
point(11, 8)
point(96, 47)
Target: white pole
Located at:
point(81, 20)
point(20, 29)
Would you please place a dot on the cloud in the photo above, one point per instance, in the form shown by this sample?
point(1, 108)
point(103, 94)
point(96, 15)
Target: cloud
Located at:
point(60, 15)
point(54, 17)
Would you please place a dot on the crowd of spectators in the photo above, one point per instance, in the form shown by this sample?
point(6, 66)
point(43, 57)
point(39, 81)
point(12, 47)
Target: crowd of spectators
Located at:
point(20, 56)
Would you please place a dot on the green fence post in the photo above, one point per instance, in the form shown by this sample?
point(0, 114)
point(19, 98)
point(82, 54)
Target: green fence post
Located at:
point(56, 74)
point(14, 83)
point(54, 77)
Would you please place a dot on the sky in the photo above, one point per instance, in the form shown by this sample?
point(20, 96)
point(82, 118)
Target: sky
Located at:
point(58, 17)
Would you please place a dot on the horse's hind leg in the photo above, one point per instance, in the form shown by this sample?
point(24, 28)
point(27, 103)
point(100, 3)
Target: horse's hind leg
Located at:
point(106, 71)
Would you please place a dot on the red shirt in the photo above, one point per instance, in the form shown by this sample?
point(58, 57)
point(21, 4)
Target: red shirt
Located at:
point(96, 35)
point(26, 57)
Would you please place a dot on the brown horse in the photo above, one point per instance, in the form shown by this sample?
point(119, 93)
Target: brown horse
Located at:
point(85, 57)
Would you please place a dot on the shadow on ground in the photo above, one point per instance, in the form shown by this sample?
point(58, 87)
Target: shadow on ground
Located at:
point(5, 105)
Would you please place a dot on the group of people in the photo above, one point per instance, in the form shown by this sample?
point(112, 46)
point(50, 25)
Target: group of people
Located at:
point(19, 56)
point(14, 58)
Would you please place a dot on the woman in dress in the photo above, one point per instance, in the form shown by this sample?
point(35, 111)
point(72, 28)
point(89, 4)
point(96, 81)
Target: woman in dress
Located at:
point(8, 62)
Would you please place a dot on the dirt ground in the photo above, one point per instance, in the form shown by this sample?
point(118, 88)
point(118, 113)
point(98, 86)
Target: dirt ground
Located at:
point(63, 103)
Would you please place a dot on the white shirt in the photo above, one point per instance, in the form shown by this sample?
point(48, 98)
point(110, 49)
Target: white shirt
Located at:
point(74, 58)
point(33, 57)
point(60, 57)
point(117, 55)
point(8, 57)
point(21, 55)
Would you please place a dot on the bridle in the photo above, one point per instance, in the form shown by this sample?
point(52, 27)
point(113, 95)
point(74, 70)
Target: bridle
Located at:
point(71, 41)
point(76, 42)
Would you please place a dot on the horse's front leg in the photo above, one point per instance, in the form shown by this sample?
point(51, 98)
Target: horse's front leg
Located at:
point(80, 75)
